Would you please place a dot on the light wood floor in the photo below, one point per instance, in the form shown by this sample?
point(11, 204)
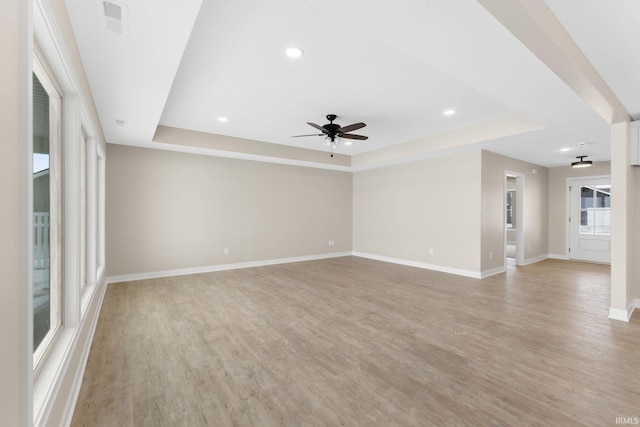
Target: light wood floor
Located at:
point(354, 342)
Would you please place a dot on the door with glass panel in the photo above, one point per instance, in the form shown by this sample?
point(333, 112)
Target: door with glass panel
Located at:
point(590, 220)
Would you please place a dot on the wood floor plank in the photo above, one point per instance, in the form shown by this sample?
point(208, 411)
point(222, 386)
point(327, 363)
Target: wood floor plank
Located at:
point(355, 342)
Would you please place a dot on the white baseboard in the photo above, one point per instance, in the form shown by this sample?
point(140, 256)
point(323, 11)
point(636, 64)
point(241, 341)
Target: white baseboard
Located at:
point(624, 315)
point(535, 259)
point(618, 314)
point(493, 271)
point(77, 381)
point(558, 256)
point(221, 267)
point(457, 271)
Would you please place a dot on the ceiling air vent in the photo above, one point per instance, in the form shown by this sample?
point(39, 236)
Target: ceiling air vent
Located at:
point(114, 17)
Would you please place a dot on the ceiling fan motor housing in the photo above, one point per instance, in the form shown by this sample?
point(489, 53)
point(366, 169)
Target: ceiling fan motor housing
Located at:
point(332, 128)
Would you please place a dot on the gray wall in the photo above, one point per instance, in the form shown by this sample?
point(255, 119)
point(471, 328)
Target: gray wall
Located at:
point(402, 211)
point(558, 201)
point(14, 396)
point(168, 210)
point(535, 209)
point(636, 239)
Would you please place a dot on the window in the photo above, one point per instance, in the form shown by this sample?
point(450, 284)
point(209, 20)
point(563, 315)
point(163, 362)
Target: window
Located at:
point(511, 209)
point(83, 209)
point(100, 217)
point(595, 210)
point(47, 224)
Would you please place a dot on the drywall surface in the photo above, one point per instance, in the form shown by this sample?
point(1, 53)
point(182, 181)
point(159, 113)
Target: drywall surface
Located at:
point(405, 210)
point(534, 209)
point(167, 210)
point(14, 400)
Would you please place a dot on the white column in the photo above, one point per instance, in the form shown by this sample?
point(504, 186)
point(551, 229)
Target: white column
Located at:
point(622, 230)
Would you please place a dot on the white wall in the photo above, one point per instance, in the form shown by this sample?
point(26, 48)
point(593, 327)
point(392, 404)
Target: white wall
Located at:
point(534, 209)
point(168, 211)
point(401, 211)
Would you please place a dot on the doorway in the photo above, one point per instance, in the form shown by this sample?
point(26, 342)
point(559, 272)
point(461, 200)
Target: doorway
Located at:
point(589, 219)
point(514, 218)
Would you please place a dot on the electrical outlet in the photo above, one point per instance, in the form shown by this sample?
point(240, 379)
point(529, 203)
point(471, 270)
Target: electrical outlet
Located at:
point(331, 243)
point(490, 254)
point(430, 251)
point(226, 251)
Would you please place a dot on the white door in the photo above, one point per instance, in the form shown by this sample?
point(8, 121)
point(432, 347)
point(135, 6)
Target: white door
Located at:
point(590, 220)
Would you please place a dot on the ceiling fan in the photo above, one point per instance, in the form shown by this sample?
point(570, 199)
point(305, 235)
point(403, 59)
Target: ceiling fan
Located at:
point(331, 131)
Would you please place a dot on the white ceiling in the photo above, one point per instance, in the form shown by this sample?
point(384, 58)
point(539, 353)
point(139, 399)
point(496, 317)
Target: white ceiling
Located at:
point(393, 65)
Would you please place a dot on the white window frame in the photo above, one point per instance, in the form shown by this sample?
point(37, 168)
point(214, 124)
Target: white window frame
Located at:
point(595, 210)
point(48, 81)
point(47, 393)
point(510, 208)
point(100, 204)
point(83, 211)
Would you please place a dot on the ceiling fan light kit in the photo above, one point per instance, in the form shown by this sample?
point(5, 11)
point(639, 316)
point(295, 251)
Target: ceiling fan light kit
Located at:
point(333, 132)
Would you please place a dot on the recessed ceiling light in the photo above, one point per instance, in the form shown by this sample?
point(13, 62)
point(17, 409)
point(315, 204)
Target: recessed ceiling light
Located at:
point(223, 119)
point(565, 149)
point(294, 52)
point(449, 112)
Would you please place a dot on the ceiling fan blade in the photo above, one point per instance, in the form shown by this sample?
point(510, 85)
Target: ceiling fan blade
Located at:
point(352, 127)
point(311, 134)
point(352, 136)
point(320, 128)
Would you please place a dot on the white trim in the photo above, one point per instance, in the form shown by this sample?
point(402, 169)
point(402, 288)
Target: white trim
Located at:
point(618, 314)
point(220, 267)
point(624, 315)
point(241, 156)
point(492, 272)
point(71, 200)
point(558, 256)
point(91, 212)
point(51, 41)
point(57, 162)
point(535, 259)
point(101, 211)
point(520, 218)
point(84, 356)
point(443, 269)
